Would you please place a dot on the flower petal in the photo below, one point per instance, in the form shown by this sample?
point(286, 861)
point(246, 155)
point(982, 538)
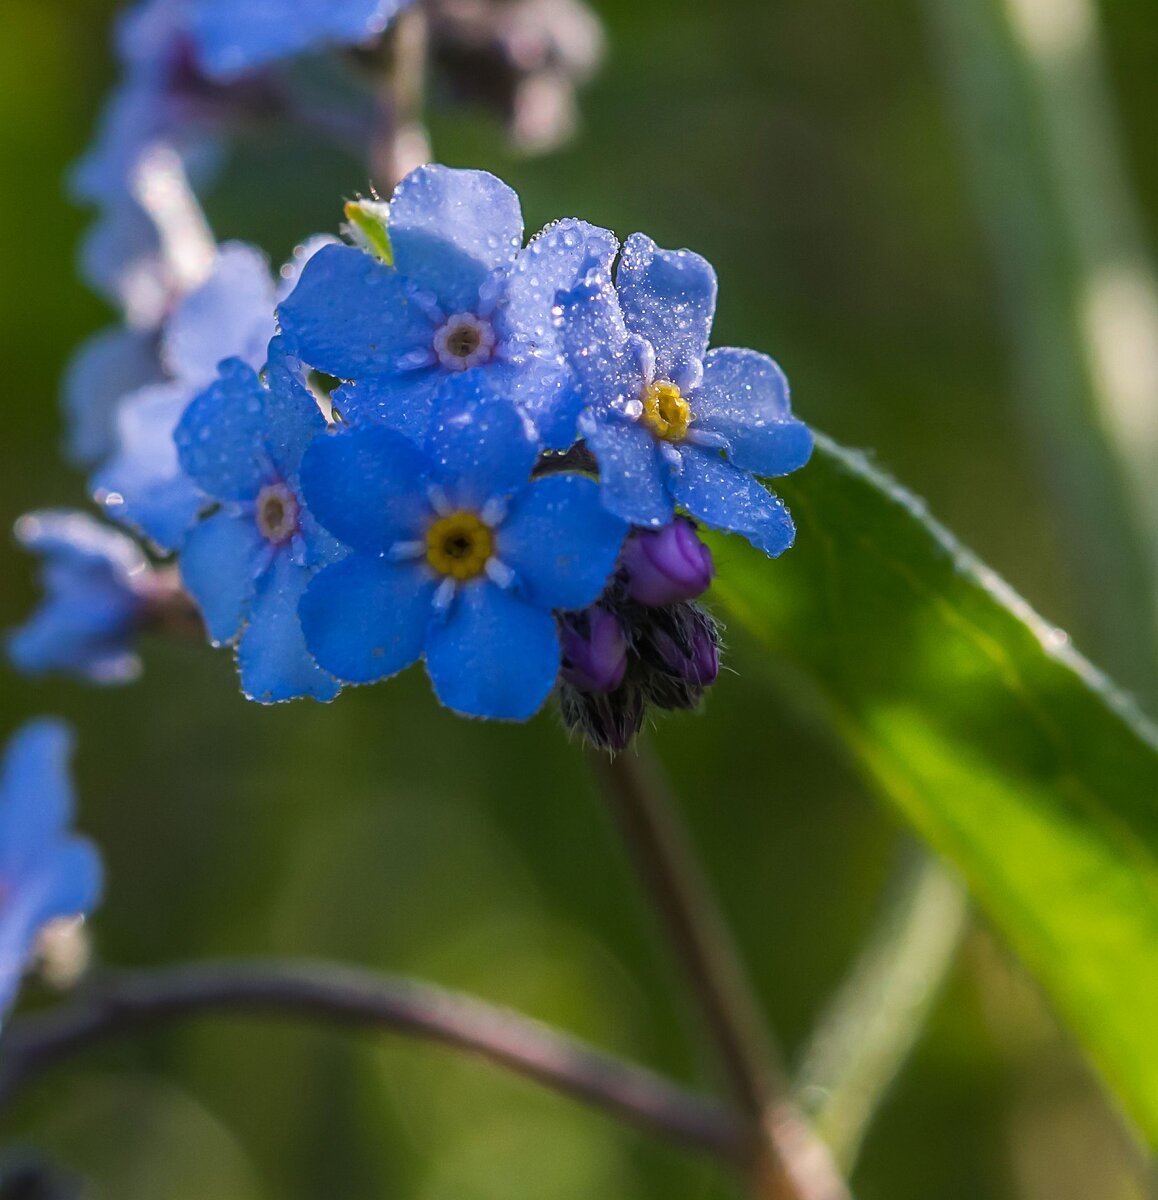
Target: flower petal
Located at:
point(631, 473)
point(450, 228)
point(229, 316)
point(351, 315)
point(725, 497)
point(221, 435)
point(220, 562)
point(744, 397)
point(478, 442)
point(271, 655)
point(401, 402)
point(36, 794)
point(367, 486)
point(594, 341)
point(560, 542)
point(668, 297)
point(494, 655)
point(292, 416)
point(143, 485)
point(365, 619)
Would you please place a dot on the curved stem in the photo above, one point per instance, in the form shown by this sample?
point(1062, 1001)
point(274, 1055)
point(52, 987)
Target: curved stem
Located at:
point(340, 995)
point(786, 1159)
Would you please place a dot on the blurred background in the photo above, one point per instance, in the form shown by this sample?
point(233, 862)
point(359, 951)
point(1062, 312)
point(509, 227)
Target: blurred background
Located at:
point(918, 209)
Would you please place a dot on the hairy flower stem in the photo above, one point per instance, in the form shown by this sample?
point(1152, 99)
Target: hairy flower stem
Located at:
point(786, 1160)
point(339, 995)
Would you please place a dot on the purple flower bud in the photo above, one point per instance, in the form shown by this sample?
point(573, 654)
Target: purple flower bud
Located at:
point(679, 650)
point(594, 650)
point(667, 565)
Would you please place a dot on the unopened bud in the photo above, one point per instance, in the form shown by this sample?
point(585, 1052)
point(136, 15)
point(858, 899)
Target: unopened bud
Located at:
point(594, 650)
point(667, 565)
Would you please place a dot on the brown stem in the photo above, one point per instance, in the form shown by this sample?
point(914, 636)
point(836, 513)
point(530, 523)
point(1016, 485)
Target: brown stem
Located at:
point(400, 141)
point(787, 1160)
point(342, 995)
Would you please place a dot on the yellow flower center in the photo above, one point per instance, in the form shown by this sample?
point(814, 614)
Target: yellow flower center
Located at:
point(665, 412)
point(459, 545)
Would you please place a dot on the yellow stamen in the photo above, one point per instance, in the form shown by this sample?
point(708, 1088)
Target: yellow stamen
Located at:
point(665, 412)
point(459, 545)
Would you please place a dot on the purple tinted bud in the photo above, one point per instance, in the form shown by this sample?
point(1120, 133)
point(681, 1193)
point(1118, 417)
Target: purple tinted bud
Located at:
point(667, 565)
point(594, 650)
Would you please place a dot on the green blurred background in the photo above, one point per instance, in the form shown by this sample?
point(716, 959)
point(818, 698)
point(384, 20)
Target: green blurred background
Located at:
point(809, 148)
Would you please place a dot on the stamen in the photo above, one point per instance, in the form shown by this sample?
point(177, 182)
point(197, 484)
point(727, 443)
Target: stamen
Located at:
point(465, 341)
point(277, 513)
point(665, 412)
point(460, 545)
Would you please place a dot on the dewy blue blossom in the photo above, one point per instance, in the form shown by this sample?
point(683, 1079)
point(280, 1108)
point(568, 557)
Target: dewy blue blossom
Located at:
point(229, 316)
point(248, 563)
point(46, 871)
point(97, 584)
point(463, 294)
point(457, 555)
point(670, 422)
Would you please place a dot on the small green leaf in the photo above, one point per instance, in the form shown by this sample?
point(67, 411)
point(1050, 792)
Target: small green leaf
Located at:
point(1004, 749)
point(366, 226)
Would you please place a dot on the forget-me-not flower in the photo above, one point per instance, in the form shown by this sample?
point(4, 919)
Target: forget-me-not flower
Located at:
point(234, 36)
point(463, 294)
point(457, 556)
point(670, 422)
point(96, 583)
point(247, 563)
point(46, 871)
point(230, 316)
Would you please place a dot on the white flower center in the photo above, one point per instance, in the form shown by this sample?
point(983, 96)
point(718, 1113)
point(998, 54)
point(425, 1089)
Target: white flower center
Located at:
point(465, 341)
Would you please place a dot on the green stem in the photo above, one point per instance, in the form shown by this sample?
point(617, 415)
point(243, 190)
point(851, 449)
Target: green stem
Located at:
point(875, 1018)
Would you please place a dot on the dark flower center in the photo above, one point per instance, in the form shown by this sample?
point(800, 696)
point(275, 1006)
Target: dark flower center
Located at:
point(277, 513)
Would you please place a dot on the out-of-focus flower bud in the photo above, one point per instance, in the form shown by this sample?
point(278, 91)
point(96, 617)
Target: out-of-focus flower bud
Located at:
point(523, 59)
point(607, 720)
point(667, 565)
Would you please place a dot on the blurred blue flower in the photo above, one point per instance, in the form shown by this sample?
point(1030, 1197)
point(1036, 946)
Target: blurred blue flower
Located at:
point(233, 36)
point(670, 422)
point(96, 583)
point(248, 562)
point(46, 872)
point(463, 295)
point(456, 554)
point(230, 316)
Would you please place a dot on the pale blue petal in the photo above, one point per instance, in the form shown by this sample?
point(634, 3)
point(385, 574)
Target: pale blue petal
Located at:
point(632, 474)
point(106, 368)
point(547, 394)
point(479, 444)
point(292, 416)
point(556, 260)
point(560, 542)
point(494, 655)
point(368, 487)
point(220, 562)
point(744, 398)
point(365, 618)
point(272, 656)
point(143, 485)
point(229, 316)
point(725, 497)
point(594, 340)
point(292, 270)
point(450, 228)
point(36, 794)
point(232, 37)
point(668, 297)
point(352, 316)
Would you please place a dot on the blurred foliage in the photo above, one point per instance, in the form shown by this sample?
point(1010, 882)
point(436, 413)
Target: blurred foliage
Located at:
point(805, 147)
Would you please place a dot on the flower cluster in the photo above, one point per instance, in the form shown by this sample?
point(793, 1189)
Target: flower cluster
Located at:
point(47, 873)
point(456, 447)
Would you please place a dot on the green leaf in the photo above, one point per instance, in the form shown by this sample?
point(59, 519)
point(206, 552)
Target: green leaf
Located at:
point(1009, 753)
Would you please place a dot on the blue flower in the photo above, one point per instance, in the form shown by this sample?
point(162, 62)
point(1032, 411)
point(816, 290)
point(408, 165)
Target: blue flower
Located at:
point(248, 562)
point(232, 36)
point(670, 422)
point(96, 584)
point(46, 872)
point(462, 295)
point(230, 316)
point(456, 554)
point(161, 103)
